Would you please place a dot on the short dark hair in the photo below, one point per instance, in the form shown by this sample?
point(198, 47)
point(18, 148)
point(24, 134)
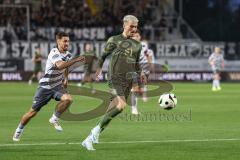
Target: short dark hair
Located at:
point(59, 35)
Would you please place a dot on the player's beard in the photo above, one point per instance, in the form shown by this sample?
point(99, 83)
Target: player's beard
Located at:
point(65, 48)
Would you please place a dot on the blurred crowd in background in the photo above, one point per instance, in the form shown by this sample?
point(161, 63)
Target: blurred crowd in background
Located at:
point(211, 20)
point(85, 13)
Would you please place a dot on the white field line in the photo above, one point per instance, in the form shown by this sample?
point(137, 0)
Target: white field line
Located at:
point(119, 142)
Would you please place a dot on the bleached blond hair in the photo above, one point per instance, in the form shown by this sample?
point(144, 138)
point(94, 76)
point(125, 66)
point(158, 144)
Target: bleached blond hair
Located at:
point(129, 18)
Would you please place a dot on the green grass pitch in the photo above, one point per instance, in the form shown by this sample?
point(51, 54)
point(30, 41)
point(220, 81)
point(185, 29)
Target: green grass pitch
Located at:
point(208, 127)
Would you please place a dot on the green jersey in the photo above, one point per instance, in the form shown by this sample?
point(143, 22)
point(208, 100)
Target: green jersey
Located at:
point(89, 58)
point(37, 63)
point(125, 53)
point(89, 53)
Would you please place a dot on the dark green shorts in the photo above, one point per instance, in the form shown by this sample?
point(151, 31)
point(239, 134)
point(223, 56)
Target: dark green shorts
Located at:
point(37, 69)
point(120, 87)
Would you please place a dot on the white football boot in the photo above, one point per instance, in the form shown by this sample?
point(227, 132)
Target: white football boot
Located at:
point(95, 132)
point(134, 111)
point(17, 135)
point(87, 143)
point(56, 124)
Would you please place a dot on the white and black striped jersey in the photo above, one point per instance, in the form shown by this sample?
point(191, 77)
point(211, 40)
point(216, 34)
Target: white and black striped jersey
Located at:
point(145, 52)
point(217, 60)
point(149, 53)
point(54, 77)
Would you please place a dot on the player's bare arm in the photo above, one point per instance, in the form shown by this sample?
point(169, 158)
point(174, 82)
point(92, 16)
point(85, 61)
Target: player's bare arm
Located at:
point(62, 64)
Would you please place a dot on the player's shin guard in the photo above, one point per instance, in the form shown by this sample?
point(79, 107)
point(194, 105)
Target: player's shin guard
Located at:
point(108, 117)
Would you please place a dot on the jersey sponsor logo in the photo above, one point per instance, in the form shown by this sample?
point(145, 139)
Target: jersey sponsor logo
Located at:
point(127, 47)
point(125, 44)
point(55, 56)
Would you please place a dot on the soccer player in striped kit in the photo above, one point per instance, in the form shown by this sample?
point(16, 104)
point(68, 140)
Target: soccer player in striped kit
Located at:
point(52, 85)
point(146, 62)
point(216, 62)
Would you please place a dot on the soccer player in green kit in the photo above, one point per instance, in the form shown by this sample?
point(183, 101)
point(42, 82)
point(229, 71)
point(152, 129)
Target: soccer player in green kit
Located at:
point(123, 67)
point(37, 71)
point(90, 57)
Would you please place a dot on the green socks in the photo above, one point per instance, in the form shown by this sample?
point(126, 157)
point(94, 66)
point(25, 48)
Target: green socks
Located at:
point(108, 117)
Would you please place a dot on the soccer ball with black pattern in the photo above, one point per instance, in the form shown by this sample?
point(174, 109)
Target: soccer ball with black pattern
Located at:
point(167, 101)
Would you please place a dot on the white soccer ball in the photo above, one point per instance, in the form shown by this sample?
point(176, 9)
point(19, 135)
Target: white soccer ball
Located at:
point(167, 101)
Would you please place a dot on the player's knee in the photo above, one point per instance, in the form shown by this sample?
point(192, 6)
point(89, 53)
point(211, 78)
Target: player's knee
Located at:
point(120, 108)
point(121, 105)
point(70, 99)
point(67, 98)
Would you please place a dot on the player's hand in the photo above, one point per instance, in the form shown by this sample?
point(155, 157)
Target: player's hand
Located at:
point(65, 83)
point(98, 74)
point(80, 59)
